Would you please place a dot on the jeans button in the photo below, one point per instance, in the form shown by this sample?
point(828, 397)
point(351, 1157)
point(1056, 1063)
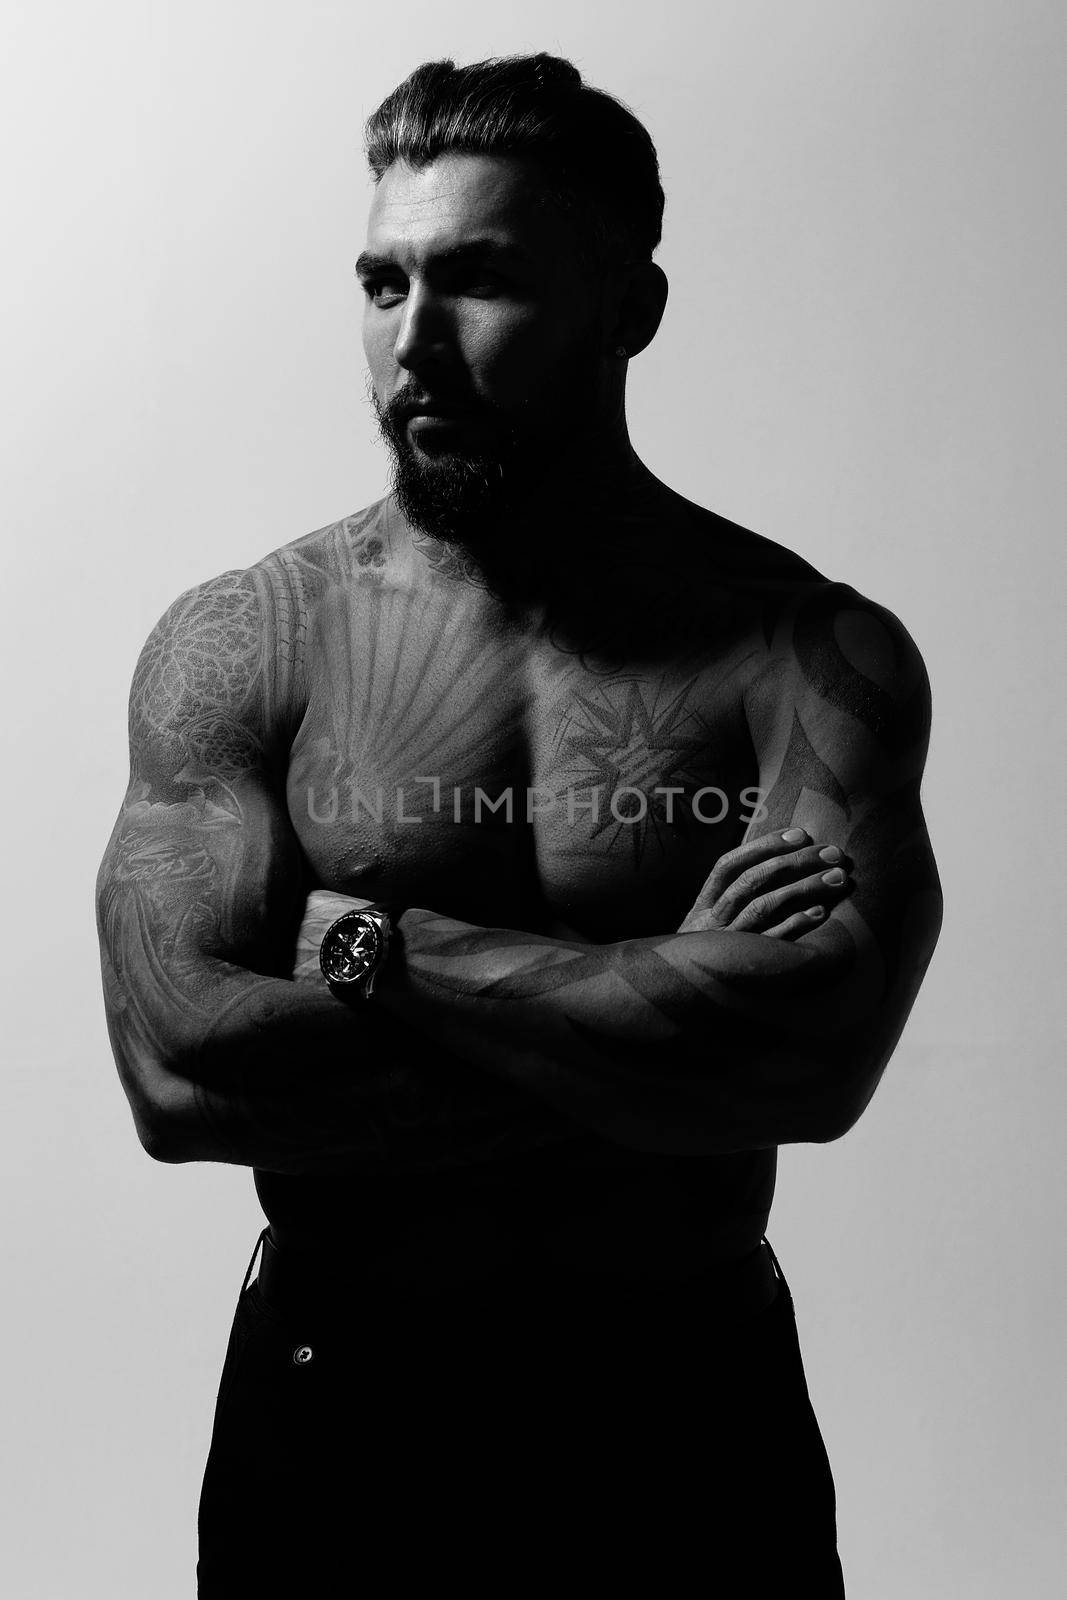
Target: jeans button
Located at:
point(303, 1354)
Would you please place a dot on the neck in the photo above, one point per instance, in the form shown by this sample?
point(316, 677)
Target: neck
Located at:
point(598, 502)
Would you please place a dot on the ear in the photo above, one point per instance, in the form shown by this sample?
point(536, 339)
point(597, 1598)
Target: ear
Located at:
point(641, 300)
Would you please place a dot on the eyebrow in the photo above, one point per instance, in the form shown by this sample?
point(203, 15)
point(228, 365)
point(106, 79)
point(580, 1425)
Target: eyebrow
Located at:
point(481, 250)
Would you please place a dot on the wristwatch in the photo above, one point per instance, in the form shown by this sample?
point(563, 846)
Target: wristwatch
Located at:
point(353, 952)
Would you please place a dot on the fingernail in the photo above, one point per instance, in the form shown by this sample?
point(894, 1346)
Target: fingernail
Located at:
point(835, 877)
point(794, 835)
point(830, 852)
point(815, 912)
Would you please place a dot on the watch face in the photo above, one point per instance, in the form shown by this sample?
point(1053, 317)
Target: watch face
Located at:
point(351, 949)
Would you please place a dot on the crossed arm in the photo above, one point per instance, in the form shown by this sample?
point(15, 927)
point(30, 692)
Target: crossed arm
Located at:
point(711, 1039)
point(717, 1038)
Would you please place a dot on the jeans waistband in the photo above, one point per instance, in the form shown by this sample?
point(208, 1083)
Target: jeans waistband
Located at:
point(294, 1279)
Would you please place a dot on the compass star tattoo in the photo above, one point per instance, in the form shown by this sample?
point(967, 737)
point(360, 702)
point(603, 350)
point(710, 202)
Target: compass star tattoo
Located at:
point(616, 742)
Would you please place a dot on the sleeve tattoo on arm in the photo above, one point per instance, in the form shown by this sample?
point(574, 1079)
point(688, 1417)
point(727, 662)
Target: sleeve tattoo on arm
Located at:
point(199, 899)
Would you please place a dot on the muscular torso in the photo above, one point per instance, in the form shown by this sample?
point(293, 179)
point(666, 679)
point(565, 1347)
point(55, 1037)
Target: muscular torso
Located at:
point(575, 775)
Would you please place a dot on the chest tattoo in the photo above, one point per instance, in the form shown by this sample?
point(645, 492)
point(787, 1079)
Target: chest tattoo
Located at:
point(629, 755)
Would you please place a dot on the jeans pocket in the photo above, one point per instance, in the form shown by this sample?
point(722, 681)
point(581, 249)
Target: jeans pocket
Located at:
point(259, 1308)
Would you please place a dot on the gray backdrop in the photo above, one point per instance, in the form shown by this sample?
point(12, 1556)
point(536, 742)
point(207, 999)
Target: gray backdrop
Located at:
point(862, 358)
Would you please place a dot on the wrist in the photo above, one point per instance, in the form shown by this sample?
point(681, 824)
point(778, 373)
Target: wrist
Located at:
point(323, 908)
point(353, 953)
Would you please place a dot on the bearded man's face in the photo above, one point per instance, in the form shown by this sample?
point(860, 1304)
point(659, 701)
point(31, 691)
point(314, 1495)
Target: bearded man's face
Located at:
point(483, 341)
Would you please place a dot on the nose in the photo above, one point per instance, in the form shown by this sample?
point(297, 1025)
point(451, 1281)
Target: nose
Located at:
point(422, 338)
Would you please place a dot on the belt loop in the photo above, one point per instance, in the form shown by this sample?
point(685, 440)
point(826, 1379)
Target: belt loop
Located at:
point(779, 1274)
point(251, 1264)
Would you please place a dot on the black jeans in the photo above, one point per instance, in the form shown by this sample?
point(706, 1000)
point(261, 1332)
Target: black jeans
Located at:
point(528, 1432)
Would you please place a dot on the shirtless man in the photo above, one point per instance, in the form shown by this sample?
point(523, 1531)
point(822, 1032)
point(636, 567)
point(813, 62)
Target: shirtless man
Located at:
point(633, 797)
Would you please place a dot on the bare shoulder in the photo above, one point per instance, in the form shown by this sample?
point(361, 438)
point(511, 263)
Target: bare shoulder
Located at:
point(220, 680)
point(741, 558)
point(800, 605)
point(359, 543)
point(195, 702)
point(822, 652)
point(842, 681)
point(857, 657)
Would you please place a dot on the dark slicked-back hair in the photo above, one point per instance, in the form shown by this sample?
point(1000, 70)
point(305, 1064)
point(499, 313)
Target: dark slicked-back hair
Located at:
point(598, 162)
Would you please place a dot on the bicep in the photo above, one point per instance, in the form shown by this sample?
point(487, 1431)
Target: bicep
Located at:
point(214, 878)
point(203, 870)
point(842, 737)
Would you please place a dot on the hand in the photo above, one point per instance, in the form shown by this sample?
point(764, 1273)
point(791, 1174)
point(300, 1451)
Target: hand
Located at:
point(782, 884)
point(323, 907)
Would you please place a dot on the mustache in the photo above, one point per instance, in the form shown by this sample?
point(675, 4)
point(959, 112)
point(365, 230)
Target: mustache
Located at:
point(414, 401)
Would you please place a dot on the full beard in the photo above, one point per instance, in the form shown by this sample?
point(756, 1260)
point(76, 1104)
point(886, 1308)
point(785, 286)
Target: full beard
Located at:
point(528, 466)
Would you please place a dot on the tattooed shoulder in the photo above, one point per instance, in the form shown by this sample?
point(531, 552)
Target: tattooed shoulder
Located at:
point(196, 707)
point(848, 662)
point(859, 658)
point(221, 681)
point(358, 545)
